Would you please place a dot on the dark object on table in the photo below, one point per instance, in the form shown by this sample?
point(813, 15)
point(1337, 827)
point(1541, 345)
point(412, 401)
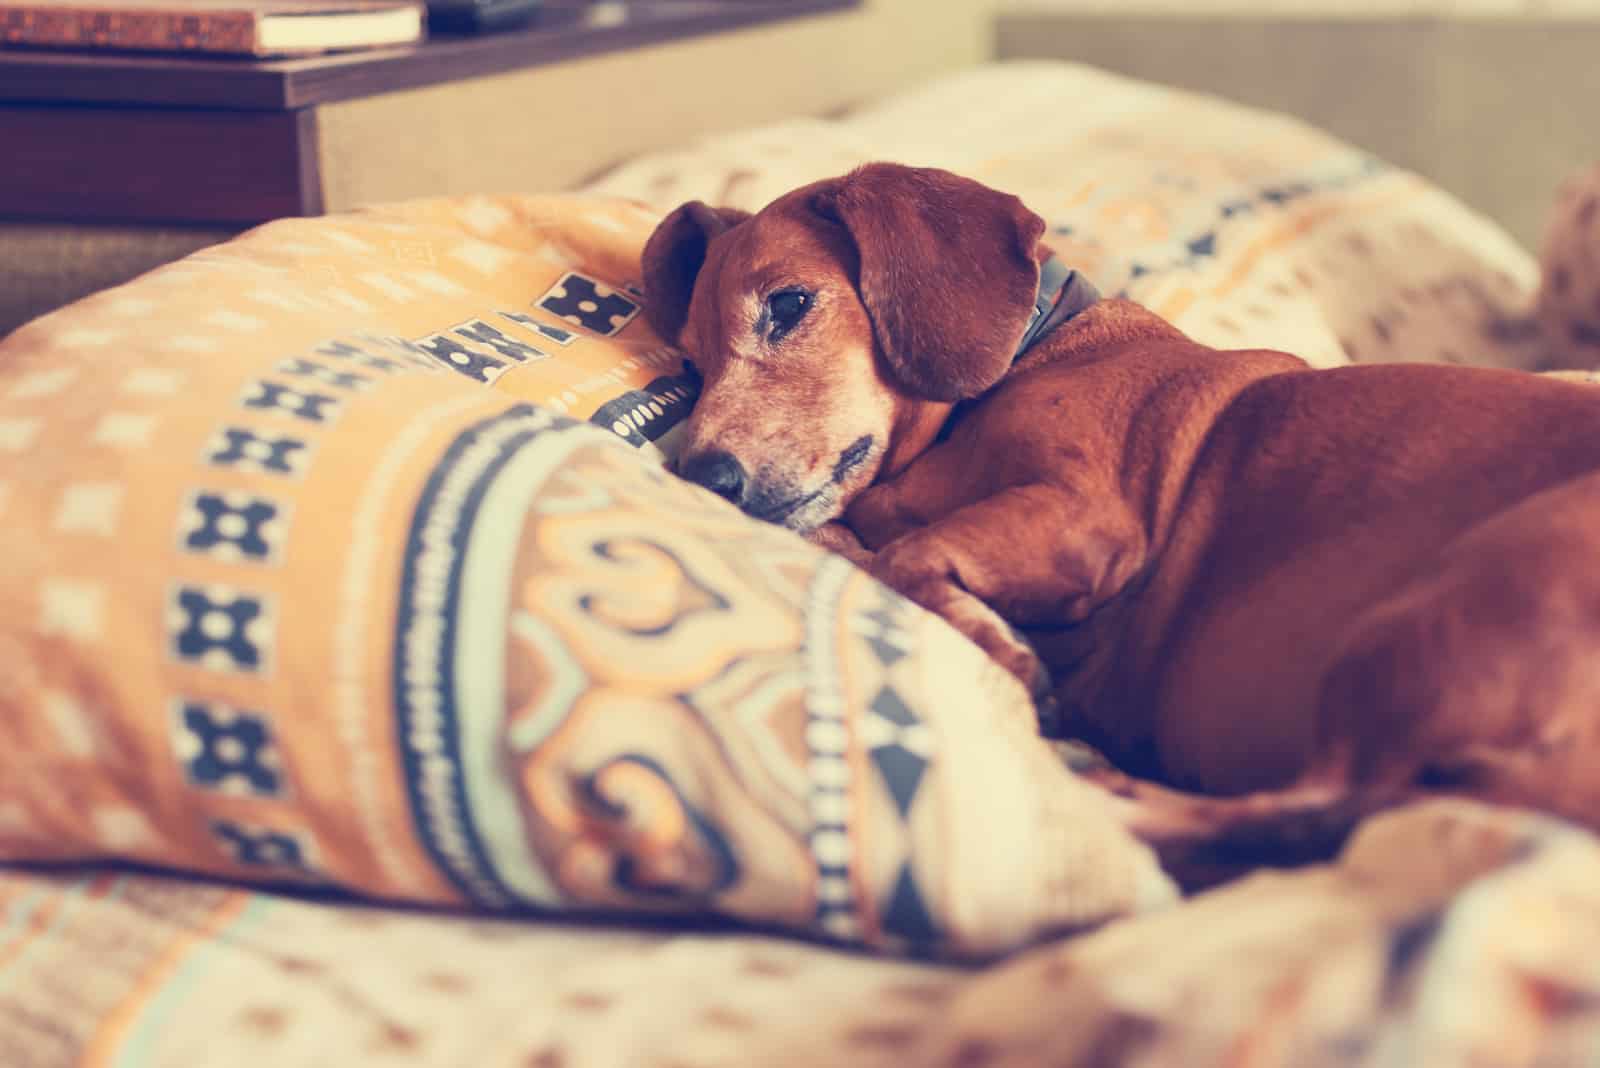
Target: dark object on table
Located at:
point(241, 27)
point(480, 16)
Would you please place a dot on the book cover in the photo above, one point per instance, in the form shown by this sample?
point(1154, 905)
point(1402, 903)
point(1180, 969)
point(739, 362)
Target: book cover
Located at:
point(249, 27)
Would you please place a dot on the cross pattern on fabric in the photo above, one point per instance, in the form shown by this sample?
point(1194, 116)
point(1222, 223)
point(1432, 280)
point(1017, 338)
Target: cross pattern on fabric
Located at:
point(226, 749)
point(349, 381)
point(268, 453)
point(479, 366)
point(220, 628)
point(399, 355)
point(590, 304)
point(543, 329)
point(270, 396)
point(259, 847)
point(232, 526)
point(480, 332)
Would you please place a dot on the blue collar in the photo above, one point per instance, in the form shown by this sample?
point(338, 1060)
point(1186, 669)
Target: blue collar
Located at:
point(1063, 293)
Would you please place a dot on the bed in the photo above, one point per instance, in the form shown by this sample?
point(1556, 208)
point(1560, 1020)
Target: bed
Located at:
point(373, 697)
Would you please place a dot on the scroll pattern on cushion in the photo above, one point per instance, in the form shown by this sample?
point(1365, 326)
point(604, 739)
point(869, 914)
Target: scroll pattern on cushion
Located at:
point(308, 580)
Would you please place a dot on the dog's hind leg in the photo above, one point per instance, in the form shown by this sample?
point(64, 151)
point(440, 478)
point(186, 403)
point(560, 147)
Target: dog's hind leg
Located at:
point(1481, 676)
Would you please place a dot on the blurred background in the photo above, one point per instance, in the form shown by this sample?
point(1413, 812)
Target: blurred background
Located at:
point(1491, 99)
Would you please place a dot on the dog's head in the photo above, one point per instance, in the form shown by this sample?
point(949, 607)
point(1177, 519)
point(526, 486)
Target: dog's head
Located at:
point(834, 329)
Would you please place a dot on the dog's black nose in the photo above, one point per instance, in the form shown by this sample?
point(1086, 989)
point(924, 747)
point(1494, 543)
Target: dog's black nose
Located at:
point(718, 472)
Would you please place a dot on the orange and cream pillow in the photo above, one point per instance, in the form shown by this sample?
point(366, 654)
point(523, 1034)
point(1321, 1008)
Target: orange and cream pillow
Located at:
point(342, 554)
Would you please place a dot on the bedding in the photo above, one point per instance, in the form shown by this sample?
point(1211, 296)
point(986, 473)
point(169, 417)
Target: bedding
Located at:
point(295, 601)
point(1447, 935)
point(236, 526)
point(1568, 305)
point(1240, 226)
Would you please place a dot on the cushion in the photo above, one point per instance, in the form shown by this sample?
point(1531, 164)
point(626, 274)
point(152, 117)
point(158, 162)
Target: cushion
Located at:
point(1241, 226)
point(341, 555)
point(1568, 306)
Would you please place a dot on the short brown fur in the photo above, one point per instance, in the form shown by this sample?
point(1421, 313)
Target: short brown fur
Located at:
point(1311, 592)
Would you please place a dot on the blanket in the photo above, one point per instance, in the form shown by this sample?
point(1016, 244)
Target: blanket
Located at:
point(1447, 933)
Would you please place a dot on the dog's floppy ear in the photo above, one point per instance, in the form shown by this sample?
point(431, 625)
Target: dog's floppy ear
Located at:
point(672, 259)
point(948, 273)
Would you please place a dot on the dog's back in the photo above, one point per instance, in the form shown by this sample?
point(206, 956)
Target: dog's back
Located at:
point(1325, 502)
point(1243, 575)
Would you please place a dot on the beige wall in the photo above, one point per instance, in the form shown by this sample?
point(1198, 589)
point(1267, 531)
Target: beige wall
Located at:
point(552, 127)
point(1320, 8)
point(1496, 110)
point(1488, 97)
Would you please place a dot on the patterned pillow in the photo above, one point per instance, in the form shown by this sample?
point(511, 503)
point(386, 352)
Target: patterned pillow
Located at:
point(288, 594)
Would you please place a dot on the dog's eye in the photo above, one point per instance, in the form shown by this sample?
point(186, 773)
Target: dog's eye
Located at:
point(785, 308)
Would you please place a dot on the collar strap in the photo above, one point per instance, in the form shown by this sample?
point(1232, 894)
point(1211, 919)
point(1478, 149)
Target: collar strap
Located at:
point(1063, 293)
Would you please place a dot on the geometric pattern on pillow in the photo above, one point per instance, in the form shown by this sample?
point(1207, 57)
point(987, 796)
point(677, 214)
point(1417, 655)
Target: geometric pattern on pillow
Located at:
point(342, 555)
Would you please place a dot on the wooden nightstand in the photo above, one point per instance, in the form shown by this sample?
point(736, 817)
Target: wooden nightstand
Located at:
point(127, 138)
point(118, 163)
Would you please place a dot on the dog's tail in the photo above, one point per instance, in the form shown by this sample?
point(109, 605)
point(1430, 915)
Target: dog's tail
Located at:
point(1202, 841)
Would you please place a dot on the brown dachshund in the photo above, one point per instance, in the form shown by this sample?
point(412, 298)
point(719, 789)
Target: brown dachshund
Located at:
point(1325, 589)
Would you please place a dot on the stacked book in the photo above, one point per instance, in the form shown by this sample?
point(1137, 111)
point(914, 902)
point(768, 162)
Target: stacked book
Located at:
point(241, 27)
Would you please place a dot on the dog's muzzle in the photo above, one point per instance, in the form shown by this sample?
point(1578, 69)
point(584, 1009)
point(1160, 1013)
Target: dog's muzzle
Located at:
point(718, 472)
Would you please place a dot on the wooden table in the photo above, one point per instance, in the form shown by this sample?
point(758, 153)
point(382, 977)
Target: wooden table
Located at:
point(128, 138)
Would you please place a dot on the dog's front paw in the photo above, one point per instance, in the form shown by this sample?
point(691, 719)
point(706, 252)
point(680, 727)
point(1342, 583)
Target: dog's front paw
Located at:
point(1019, 658)
point(917, 573)
point(837, 538)
point(1004, 644)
